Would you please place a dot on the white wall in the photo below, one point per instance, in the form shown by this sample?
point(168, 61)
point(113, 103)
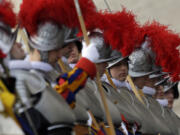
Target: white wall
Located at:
point(165, 11)
point(16, 4)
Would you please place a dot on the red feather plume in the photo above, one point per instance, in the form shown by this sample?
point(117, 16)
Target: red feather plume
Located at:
point(61, 12)
point(163, 43)
point(122, 32)
point(7, 16)
point(119, 29)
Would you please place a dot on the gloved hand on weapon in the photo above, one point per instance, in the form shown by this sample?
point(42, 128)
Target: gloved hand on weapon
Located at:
point(91, 51)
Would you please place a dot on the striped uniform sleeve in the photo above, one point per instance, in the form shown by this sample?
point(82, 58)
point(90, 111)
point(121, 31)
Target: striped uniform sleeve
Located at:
point(70, 83)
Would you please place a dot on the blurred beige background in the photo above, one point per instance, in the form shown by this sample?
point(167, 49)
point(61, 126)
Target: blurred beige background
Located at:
point(165, 11)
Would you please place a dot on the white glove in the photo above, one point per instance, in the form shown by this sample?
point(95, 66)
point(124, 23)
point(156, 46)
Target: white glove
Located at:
point(91, 51)
point(163, 102)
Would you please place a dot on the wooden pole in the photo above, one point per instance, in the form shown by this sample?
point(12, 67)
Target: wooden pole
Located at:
point(110, 80)
point(61, 64)
point(103, 98)
point(81, 21)
point(83, 28)
point(134, 89)
point(23, 36)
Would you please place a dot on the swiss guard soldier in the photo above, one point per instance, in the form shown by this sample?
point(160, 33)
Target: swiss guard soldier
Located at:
point(74, 47)
point(8, 124)
point(140, 68)
point(118, 70)
point(169, 116)
point(158, 79)
point(75, 44)
point(40, 106)
point(119, 93)
point(170, 88)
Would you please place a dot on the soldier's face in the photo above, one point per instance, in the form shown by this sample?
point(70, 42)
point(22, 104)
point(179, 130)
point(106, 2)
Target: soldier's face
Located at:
point(74, 54)
point(65, 51)
point(140, 82)
point(159, 92)
point(151, 82)
point(120, 71)
point(53, 57)
point(170, 97)
point(101, 67)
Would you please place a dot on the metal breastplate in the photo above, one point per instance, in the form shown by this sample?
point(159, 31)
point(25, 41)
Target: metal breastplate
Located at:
point(50, 104)
point(54, 107)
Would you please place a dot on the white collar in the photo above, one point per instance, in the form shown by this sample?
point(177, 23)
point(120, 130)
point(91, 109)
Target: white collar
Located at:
point(120, 84)
point(104, 78)
point(72, 65)
point(148, 90)
point(64, 60)
point(19, 64)
point(42, 66)
point(162, 102)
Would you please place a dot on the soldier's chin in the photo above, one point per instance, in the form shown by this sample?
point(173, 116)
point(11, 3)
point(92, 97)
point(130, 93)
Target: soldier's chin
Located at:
point(122, 77)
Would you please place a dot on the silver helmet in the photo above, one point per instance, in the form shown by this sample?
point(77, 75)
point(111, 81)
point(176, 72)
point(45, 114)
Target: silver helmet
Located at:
point(171, 85)
point(162, 77)
point(49, 37)
point(72, 38)
point(140, 63)
point(105, 54)
point(168, 85)
point(161, 82)
point(7, 37)
point(104, 50)
point(118, 58)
